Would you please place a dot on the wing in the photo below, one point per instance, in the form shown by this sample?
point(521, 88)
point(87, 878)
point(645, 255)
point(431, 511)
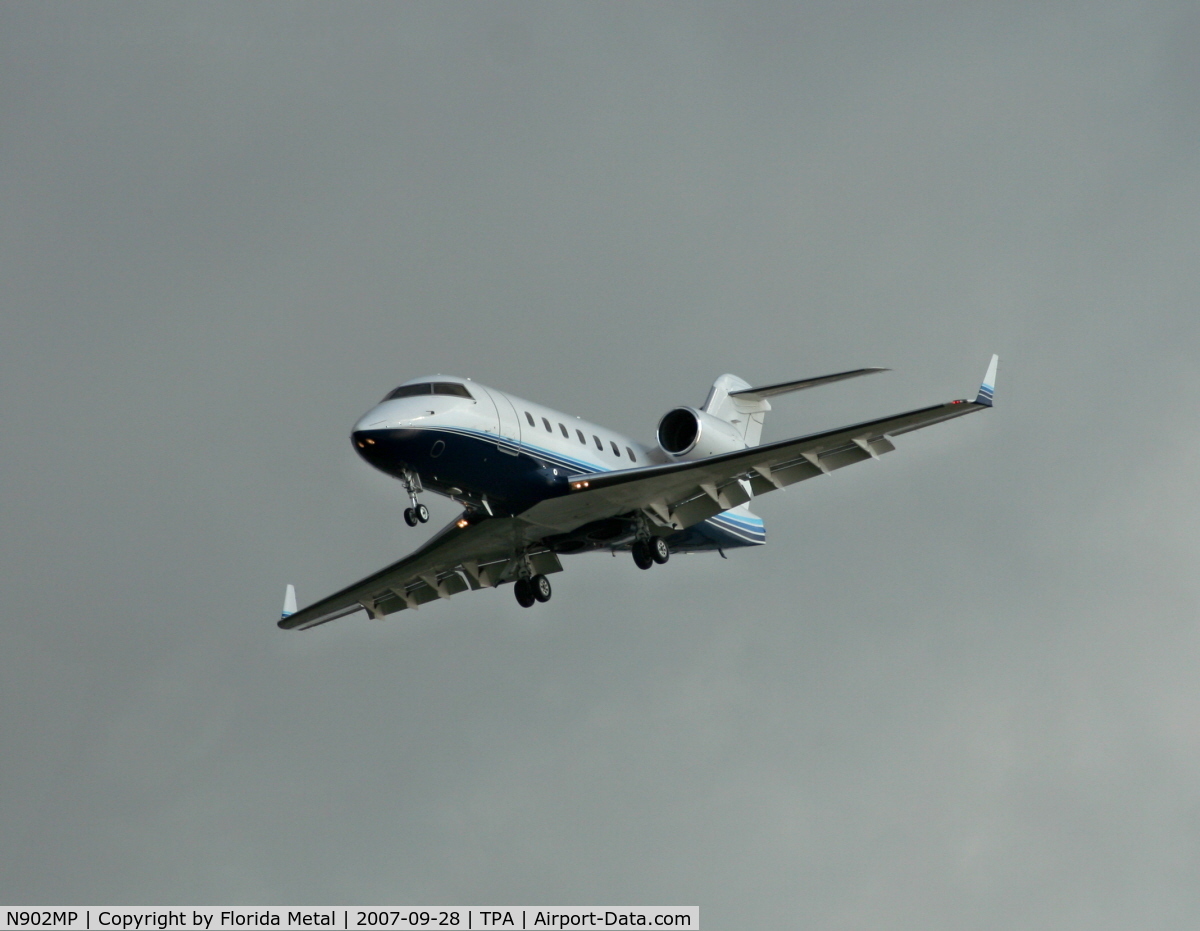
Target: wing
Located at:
point(684, 493)
point(459, 557)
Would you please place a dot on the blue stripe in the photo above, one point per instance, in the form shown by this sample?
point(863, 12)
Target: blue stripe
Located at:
point(556, 458)
point(749, 522)
point(713, 527)
point(758, 528)
point(751, 529)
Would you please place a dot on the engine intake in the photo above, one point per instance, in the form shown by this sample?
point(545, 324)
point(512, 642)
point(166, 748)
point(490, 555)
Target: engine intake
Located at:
point(686, 433)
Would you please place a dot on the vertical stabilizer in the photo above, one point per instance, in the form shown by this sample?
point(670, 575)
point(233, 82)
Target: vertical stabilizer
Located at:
point(289, 602)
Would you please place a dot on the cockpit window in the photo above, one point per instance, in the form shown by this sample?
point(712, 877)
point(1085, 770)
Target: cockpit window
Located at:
point(408, 391)
point(453, 389)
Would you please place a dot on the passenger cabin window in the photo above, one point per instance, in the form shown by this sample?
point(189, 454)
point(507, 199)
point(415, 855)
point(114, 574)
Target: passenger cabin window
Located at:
point(549, 429)
point(447, 388)
point(632, 457)
point(529, 417)
point(582, 438)
point(563, 428)
point(616, 448)
point(599, 445)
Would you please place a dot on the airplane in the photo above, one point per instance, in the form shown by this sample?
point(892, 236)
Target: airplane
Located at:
point(536, 484)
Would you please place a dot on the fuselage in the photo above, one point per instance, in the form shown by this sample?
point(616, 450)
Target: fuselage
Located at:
point(498, 454)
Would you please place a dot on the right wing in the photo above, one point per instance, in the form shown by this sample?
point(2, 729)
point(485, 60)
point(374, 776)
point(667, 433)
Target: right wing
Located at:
point(681, 494)
point(458, 557)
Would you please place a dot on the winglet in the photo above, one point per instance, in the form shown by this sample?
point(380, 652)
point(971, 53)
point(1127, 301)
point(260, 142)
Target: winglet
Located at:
point(987, 391)
point(289, 602)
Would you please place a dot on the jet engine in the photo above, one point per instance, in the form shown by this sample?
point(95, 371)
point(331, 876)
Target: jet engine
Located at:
point(686, 433)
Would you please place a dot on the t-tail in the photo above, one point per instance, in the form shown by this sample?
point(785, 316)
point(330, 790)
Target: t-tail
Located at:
point(736, 402)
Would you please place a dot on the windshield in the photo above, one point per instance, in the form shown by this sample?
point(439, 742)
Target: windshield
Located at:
point(450, 388)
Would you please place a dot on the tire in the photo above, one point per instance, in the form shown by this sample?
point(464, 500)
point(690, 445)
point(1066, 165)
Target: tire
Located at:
point(641, 555)
point(410, 517)
point(422, 514)
point(540, 586)
point(660, 551)
point(524, 592)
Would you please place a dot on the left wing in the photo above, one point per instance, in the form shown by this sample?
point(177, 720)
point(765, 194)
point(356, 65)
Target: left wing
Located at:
point(681, 494)
point(460, 556)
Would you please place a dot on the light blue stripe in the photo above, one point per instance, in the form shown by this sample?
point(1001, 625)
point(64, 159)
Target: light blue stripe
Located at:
point(745, 528)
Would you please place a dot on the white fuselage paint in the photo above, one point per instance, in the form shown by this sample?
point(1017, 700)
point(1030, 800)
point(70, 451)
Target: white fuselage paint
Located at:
point(517, 429)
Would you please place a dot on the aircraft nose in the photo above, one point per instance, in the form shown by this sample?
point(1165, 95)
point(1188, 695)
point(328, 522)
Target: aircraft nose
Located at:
point(372, 419)
point(373, 446)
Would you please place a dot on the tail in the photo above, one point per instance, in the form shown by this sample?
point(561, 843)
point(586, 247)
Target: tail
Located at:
point(736, 402)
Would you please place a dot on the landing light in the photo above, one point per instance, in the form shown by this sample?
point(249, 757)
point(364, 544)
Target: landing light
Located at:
point(578, 485)
point(462, 522)
point(372, 442)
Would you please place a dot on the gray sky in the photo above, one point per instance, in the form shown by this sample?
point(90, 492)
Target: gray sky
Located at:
point(958, 688)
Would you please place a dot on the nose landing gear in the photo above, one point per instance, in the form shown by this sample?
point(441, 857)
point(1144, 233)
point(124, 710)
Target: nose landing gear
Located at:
point(418, 513)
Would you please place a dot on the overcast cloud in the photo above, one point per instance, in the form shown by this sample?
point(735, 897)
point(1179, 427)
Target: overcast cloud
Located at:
point(958, 689)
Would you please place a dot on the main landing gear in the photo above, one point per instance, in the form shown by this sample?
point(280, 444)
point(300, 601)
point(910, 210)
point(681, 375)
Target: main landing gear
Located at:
point(534, 588)
point(650, 551)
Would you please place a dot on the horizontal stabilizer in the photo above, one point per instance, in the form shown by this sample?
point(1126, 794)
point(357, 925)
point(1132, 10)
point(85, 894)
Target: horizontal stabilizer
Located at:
point(768, 391)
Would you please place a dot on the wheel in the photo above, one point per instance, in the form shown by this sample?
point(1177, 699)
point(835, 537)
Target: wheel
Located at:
point(410, 517)
point(422, 513)
point(660, 552)
point(524, 592)
point(641, 554)
point(540, 586)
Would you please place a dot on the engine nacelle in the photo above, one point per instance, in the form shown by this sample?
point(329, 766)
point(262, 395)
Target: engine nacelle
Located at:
point(686, 433)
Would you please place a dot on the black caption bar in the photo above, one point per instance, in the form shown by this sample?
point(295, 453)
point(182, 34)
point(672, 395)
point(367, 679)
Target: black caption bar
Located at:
point(358, 918)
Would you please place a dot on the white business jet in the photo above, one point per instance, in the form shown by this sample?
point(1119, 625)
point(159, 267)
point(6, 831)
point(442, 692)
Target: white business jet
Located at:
point(536, 484)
